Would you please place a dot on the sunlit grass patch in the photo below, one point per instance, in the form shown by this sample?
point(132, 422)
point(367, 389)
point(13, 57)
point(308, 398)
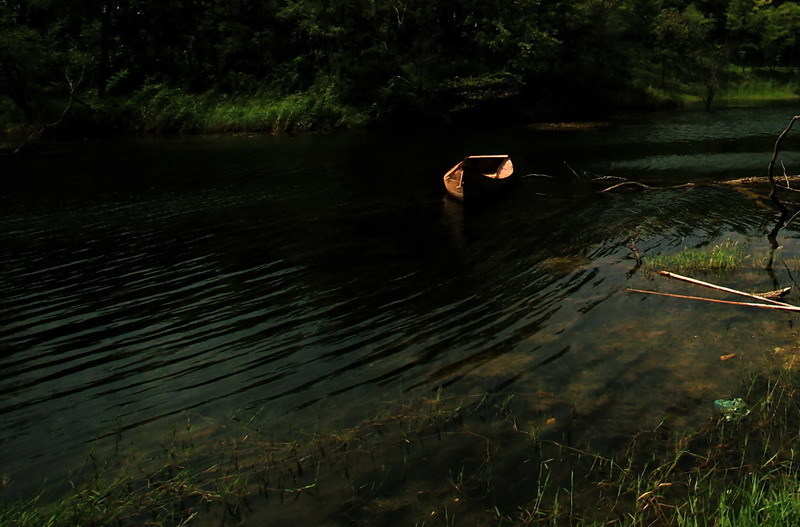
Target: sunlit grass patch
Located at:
point(161, 108)
point(724, 256)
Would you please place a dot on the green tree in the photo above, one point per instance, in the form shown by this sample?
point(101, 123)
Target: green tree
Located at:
point(684, 43)
point(780, 39)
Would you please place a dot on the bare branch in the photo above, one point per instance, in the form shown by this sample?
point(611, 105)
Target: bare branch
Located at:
point(72, 87)
point(773, 188)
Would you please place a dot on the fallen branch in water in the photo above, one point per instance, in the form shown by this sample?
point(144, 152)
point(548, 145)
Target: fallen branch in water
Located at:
point(753, 180)
point(643, 186)
point(721, 288)
point(786, 307)
point(620, 182)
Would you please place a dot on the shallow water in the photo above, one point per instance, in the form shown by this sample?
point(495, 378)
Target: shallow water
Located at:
point(316, 280)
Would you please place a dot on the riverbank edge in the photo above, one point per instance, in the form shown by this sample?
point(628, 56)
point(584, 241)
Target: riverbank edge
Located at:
point(161, 109)
point(438, 459)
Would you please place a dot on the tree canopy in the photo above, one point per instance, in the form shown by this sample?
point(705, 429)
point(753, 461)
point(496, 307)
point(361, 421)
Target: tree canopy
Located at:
point(392, 59)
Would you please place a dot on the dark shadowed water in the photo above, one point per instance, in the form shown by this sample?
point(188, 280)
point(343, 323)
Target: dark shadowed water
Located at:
point(315, 280)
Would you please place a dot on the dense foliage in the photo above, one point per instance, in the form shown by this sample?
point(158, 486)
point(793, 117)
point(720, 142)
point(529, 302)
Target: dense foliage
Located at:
point(119, 63)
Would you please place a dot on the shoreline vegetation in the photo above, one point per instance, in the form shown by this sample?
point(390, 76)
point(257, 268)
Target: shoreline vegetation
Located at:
point(141, 66)
point(488, 461)
point(160, 109)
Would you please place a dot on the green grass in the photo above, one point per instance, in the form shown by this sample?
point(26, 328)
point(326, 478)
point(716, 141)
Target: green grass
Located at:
point(725, 256)
point(757, 501)
point(759, 84)
point(737, 86)
point(160, 108)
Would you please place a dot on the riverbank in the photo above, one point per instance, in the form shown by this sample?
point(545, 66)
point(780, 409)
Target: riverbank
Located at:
point(439, 461)
point(159, 108)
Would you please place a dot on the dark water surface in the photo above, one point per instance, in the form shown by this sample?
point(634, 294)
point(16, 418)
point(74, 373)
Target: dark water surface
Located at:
point(318, 279)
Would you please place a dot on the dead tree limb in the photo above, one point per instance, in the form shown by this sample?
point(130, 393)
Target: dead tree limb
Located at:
point(773, 192)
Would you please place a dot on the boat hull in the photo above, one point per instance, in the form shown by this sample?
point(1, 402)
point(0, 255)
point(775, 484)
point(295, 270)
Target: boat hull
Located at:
point(478, 177)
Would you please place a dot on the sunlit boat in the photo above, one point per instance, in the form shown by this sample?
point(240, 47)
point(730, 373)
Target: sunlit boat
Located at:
point(479, 176)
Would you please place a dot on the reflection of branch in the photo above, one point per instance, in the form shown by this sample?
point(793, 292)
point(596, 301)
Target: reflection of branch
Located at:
point(636, 256)
point(72, 87)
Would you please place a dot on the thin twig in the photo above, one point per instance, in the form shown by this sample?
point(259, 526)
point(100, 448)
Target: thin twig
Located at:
point(572, 170)
point(72, 87)
point(785, 175)
point(790, 220)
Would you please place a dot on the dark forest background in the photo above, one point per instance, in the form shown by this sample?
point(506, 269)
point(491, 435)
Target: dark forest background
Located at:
point(222, 65)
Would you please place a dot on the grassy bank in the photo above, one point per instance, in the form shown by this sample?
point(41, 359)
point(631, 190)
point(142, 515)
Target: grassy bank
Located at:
point(753, 84)
point(735, 86)
point(158, 108)
point(436, 462)
point(161, 108)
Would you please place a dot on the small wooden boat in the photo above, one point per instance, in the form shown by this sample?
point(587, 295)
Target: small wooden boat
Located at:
point(479, 176)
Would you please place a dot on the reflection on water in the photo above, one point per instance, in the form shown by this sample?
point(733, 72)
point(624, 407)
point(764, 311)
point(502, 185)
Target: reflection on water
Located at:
point(318, 279)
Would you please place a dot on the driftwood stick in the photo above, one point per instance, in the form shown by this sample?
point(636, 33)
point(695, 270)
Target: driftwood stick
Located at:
point(721, 288)
point(786, 307)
